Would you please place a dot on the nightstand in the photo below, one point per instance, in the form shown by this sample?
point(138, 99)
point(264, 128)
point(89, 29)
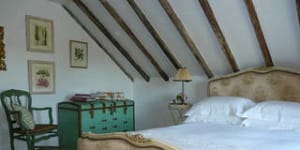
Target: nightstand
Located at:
point(178, 110)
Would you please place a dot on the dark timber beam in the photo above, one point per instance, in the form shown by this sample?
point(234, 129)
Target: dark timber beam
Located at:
point(259, 34)
point(155, 34)
point(298, 9)
point(184, 34)
point(98, 43)
point(218, 33)
point(126, 28)
point(102, 28)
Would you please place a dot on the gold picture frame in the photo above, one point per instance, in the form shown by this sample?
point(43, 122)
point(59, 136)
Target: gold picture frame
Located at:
point(78, 54)
point(39, 34)
point(2, 50)
point(41, 76)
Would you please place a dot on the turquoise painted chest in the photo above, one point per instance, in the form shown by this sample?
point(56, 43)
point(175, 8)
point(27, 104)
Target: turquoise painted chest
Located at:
point(100, 116)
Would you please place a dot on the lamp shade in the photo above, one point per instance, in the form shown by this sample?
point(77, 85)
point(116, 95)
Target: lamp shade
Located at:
point(183, 74)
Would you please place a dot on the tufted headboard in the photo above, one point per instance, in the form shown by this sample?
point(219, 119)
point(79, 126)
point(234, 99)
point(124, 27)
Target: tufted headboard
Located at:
point(268, 83)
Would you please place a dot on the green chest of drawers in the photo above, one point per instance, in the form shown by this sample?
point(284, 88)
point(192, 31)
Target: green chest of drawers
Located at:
point(101, 116)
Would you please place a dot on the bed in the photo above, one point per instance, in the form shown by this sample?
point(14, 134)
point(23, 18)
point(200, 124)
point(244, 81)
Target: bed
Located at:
point(275, 128)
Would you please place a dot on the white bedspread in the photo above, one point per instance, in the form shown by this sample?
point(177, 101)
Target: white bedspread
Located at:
point(206, 136)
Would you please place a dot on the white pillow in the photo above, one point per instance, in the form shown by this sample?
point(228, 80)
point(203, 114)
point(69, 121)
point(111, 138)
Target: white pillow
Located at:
point(261, 124)
point(278, 111)
point(270, 125)
point(26, 118)
point(221, 105)
point(220, 109)
point(233, 120)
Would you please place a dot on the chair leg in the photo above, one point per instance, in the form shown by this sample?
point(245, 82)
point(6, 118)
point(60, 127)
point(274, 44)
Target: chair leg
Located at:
point(29, 142)
point(32, 142)
point(12, 146)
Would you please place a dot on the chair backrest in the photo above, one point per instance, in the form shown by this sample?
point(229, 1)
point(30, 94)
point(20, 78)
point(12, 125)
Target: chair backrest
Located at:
point(14, 97)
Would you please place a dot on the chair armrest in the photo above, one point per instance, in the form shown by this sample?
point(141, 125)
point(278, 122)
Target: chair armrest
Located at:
point(49, 109)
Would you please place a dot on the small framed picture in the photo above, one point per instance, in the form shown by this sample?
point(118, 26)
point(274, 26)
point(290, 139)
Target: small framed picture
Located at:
point(78, 54)
point(41, 77)
point(2, 51)
point(39, 34)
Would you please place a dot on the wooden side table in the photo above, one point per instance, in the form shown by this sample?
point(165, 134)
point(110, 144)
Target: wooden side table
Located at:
point(178, 110)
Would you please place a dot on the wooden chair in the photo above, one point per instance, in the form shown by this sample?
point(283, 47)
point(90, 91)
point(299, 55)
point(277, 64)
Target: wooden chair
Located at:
point(9, 100)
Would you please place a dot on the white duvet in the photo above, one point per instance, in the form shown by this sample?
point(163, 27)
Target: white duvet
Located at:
point(206, 136)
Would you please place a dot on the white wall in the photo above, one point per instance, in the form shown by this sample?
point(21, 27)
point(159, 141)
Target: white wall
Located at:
point(152, 98)
point(102, 74)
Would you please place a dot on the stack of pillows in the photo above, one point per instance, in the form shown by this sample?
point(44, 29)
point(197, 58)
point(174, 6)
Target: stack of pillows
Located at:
point(271, 114)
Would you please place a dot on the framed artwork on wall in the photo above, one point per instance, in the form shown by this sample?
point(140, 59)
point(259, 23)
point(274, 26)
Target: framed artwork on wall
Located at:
point(78, 54)
point(39, 34)
point(41, 77)
point(2, 51)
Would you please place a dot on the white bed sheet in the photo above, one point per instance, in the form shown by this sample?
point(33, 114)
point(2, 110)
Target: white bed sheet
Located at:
point(208, 136)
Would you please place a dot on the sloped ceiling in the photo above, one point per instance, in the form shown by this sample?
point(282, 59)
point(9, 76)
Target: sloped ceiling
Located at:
point(153, 38)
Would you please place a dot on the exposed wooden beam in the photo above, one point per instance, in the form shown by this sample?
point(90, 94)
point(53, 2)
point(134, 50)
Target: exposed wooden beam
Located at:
point(218, 33)
point(98, 43)
point(298, 10)
point(155, 34)
point(126, 28)
point(259, 34)
point(186, 37)
point(102, 28)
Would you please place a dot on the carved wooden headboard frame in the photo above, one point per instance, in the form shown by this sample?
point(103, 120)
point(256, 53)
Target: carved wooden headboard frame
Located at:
point(259, 84)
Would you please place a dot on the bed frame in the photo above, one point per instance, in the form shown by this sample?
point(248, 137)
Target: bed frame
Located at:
point(120, 141)
point(259, 84)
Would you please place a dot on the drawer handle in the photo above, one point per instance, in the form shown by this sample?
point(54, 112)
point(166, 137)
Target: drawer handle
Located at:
point(103, 108)
point(115, 126)
point(125, 110)
point(105, 128)
point(125, 122)
point(125, 130)
point(125, 107)
point(113, 107)
point(104, 120)
point(115, 119)
point(92, 127)
point(91, 111)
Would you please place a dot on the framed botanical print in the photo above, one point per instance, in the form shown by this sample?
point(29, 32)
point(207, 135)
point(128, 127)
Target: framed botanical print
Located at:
point(2, 51)
point(39, 34)
point(78, 54)
point(41, 77)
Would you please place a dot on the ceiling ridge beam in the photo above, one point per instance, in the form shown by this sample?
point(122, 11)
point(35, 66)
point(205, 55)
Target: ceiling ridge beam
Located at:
point(155, 34)
point(219, 34)
point(298, 10)
point(97, 42)
point(102, 28)
point(134, 38)
point(185, 36)
point(259, 33)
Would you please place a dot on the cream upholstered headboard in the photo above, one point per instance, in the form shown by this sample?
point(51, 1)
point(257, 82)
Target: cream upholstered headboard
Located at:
point(268, 83)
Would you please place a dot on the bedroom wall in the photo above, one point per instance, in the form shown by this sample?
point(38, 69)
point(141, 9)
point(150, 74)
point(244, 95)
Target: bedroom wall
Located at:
point(102, 74)
point(152, 99)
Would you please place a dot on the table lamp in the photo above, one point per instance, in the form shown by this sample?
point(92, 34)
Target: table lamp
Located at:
point(183, 75)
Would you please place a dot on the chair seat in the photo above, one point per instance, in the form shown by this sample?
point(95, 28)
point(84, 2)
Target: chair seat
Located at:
point(38, 128)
